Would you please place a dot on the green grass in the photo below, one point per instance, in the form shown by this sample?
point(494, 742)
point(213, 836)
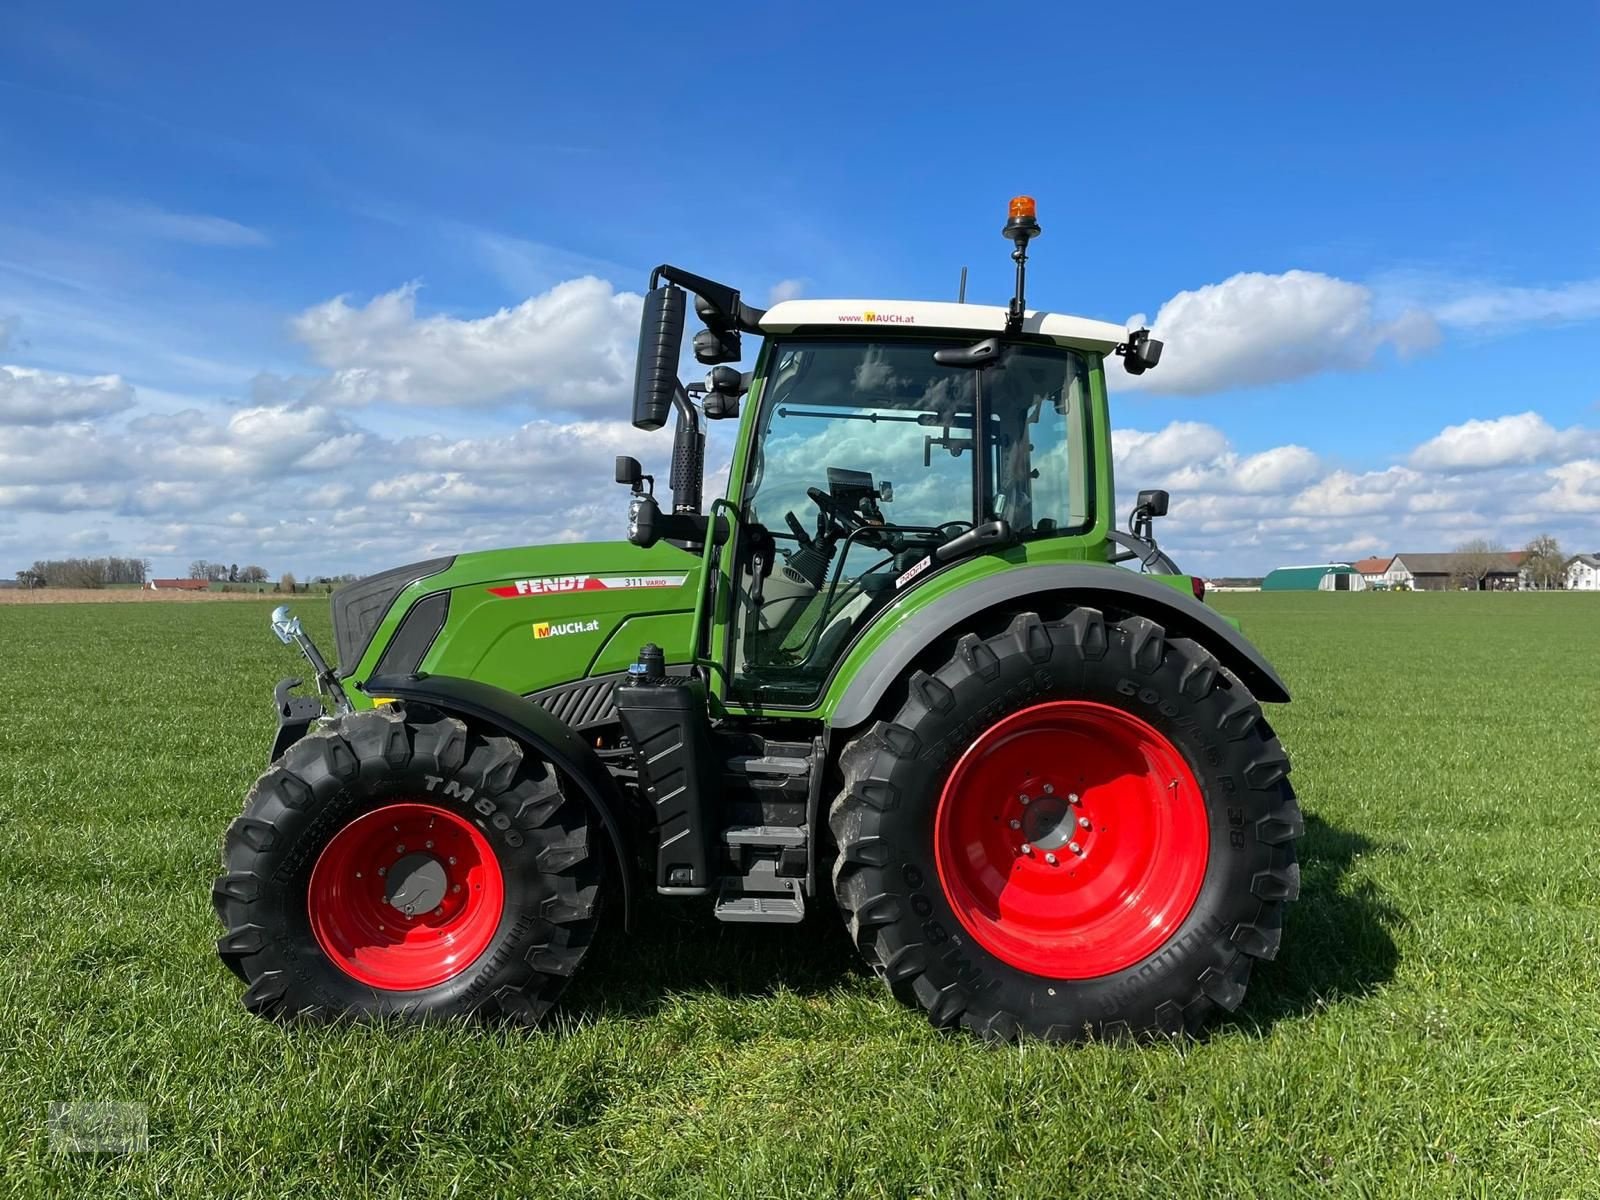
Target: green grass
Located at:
point(1431, 1026)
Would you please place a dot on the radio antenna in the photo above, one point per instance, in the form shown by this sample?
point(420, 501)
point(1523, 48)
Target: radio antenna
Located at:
point(961, 296)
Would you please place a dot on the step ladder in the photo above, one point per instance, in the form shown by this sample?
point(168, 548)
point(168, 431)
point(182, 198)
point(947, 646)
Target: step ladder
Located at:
point(760, 895)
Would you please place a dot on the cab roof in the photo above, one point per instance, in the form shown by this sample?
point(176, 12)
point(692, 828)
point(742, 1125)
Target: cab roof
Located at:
point(905, 316)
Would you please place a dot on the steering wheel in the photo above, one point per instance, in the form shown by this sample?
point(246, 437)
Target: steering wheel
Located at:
point(847, 519)
point(952, 529)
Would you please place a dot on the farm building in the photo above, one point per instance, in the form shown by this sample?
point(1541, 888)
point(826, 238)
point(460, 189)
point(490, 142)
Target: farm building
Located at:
point(1583, 573)
point(179, 585)
point(1372, 569)
point(1322, 577)
point(1447, 572)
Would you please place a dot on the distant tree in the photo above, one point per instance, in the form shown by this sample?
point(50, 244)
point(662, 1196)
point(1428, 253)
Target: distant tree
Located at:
point(233, 572)
point(30, 577)
point(1545, 564)
point(286, 582)
point(253, 574)
point(1474, 560)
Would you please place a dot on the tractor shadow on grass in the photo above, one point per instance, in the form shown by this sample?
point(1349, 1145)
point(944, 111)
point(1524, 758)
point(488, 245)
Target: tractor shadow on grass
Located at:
point(1336, 942)
point(1336, 948)
point(679, 951)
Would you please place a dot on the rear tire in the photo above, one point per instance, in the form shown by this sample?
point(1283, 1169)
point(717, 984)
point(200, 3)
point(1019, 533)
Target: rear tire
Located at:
point(1186, 820)
point(375, 815)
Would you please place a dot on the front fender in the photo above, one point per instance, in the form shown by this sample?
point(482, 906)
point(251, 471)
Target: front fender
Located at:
point(545, 735)
point(1092, 584)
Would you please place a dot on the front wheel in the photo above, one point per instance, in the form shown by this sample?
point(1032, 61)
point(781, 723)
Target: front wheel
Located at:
point(1075, 828)
point(412, 867)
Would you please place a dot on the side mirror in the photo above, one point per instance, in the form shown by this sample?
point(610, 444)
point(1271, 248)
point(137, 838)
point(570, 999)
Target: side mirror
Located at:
point(1154, 501)
point(655, 379)
point(629, 472)
point(886, 492)
point(719, 341)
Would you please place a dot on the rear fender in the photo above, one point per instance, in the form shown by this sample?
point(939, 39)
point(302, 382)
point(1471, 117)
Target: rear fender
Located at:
point(1083, 583)
point(545, 735)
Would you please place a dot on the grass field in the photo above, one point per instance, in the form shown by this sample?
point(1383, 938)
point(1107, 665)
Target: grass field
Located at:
point(1431, 1027)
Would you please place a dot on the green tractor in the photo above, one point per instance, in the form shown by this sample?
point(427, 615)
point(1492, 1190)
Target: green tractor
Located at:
point(898, 662)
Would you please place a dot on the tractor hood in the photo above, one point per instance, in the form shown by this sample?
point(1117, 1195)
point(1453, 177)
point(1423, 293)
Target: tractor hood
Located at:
point(522, 619)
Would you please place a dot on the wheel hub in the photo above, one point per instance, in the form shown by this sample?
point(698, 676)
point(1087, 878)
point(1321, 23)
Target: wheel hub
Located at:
point(1071, 839)
point(416, 884)
point(1048, 822)
point(406, 896)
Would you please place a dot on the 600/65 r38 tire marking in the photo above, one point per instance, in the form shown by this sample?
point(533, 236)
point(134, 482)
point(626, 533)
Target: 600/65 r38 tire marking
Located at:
point(300, 927)
point(1191, 824)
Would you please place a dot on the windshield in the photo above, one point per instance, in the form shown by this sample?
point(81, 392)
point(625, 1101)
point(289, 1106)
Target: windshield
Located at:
point(863, 461)
point(887, 410)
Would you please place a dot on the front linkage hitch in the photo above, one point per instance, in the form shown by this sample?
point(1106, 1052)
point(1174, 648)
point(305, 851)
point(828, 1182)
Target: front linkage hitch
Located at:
point(297, 713)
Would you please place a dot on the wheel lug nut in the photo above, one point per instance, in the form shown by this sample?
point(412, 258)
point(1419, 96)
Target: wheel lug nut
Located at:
point(1026, 848)
point(1051, 859)
point(1072, 798)
point(400, 849)
point(1016, 824)
point(1083, 822)
point(1074, 847)
point(452, 860)
point(358, 874)
point(382, 871)
point(455, 887)
point(1025, 798)
point(428, 845)
point(1049, 789)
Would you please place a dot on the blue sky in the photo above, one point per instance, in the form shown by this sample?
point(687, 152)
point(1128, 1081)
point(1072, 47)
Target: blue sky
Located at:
point(1369, 232)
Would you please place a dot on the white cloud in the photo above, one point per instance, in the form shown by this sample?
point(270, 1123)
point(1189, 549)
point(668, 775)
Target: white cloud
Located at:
point(1254, 329)
point(786, 289)
point(1523, 438)
point(29, 397)
point(1479, 445)
point(253, 443)
point(195, 229)
point(1499, 307)
point(59, 454)
point(1159, 453)
point(572, 348)
point(1575, 488)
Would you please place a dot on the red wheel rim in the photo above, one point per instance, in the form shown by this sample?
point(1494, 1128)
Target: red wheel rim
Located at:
point(1071, 839)
point(403, 856)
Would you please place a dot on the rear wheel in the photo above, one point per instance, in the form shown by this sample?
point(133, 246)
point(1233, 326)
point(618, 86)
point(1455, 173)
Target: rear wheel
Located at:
point(1076, 827)
point(412, 867)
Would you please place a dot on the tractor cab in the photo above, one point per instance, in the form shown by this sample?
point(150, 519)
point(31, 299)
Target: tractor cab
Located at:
point(869, 464)
point(880, 442)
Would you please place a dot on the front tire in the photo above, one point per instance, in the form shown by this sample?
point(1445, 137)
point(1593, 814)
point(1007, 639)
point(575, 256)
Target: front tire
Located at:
point(387, 866)
point(1074, 828)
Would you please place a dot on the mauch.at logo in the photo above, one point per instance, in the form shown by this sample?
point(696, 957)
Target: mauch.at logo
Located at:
point(545, 629)
point(99, 1127)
